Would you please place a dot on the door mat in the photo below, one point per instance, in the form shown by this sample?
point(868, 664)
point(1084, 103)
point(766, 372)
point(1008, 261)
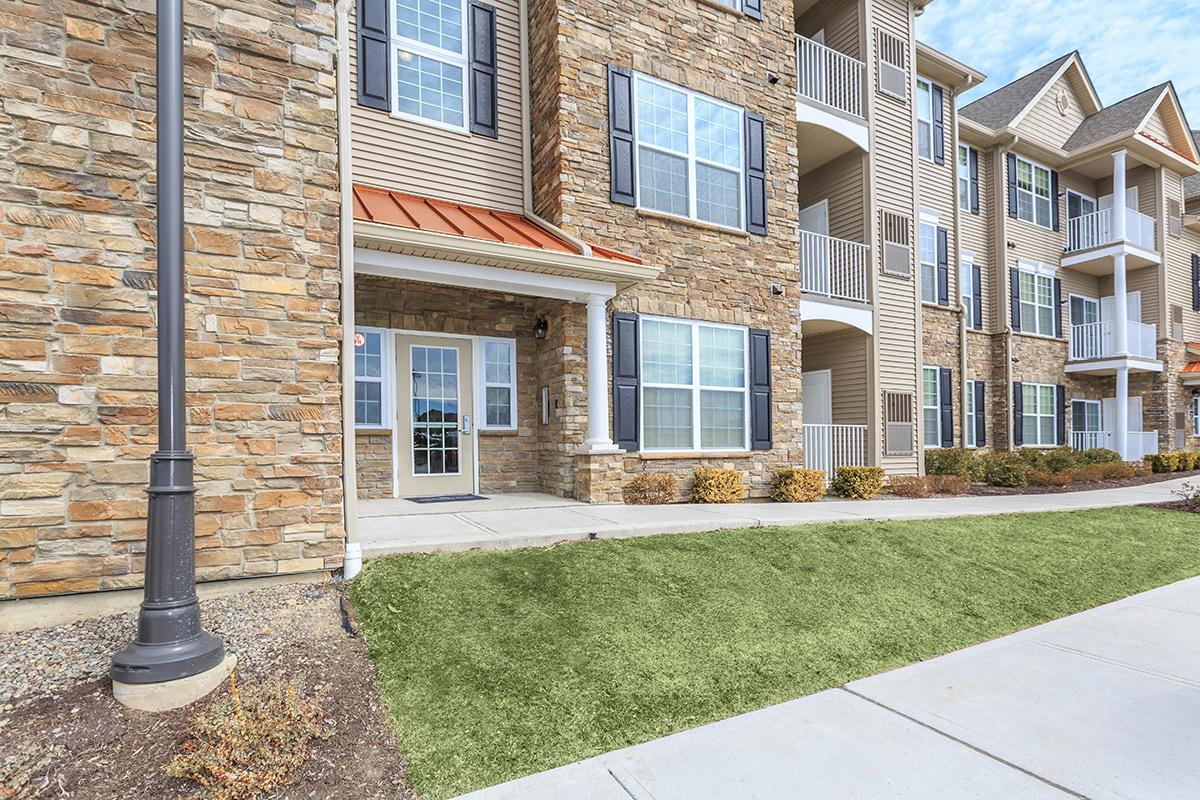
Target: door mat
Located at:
point(445, 498)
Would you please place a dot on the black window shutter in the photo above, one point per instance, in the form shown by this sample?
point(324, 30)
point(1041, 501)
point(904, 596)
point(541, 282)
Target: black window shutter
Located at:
point(946, 392)
point(973, 160)
point(374, 71)
point(1058, 309)
point(980, 416)
point(1054, 200)
point(1012, 185)
point(1014, 286)
point(1060, 415)
point(939, 125)
point(760, 389)
point(943, 267)
point(626, 378)
point(485, 119)
point(621, 154)
point(977, 297)
point(1195, 281)
point(752, 8)
point(756, 174)
point(1018, 414)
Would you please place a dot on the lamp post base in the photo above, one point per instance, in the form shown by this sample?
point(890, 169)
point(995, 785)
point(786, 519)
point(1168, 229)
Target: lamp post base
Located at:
point(140, 662)
point(168, 695)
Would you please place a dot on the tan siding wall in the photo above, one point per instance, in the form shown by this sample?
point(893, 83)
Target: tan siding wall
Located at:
point(845, 354)
point(839, 19)
point(937, 191)
point(841, 182)
point(411, 156)
point(1179, 265)
point(1157, 127)
point(976, 234)
point(1045, 123)
point(1033, 241)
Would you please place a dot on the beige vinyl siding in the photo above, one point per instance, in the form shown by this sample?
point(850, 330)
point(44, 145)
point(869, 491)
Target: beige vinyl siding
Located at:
point(411, 156)
point(840, 22)
point(1157, 127)
point(976, 232)
point(1179, 265)
point(841, 183)
point(1044, 123)
point(845, 355)
point(937, 189)
point(1034, 242)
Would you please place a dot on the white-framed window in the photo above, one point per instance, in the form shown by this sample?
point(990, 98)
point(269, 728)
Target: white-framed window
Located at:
point(969, 433)
point(931, 406)
point(927, 236)
point(429, 54)
point(689, 158)
point(1034, 200)
point(1196, 415)
point(694, 385)
point(964, 177)
point(967, 284)
point(924, 118)
point(1085, 417)
point(499, 384)
point(1037, 302)
point(1038, 418)
point(372, 371)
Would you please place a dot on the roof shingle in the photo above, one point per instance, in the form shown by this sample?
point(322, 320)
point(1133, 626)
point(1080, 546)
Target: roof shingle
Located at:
point(1120, 117)
point(1001, 107)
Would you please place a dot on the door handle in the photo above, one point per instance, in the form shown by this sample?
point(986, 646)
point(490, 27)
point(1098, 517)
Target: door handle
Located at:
point(466, 424)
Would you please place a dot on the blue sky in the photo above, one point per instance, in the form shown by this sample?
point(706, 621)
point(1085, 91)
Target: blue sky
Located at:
point(1127, 45)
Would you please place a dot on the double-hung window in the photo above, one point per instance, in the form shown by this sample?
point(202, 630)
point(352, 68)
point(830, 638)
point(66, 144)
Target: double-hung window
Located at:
point(1037, 303)
point(1034, 202)
point(1038, 418)
point(929, 255)
point(499, 384)
point(931, 404)
point(430, 47)
point(1085, 424)
point(969, 433)
point(370, 373)
point(1196, 415)
point(924, 119)
point(964, 177)
point(967, 282)
point(690, 159)
point(694, 385)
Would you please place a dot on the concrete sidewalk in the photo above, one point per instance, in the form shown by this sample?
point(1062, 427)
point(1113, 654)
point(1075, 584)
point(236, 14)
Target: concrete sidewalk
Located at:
point(545, 520)
point(1102, 704)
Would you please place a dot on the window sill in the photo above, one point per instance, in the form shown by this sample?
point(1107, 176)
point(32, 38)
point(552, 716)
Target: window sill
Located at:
point(1043, 336)
point(695, 223)
point(662, 455)
point(372, 431)
point(717, 4)
point(947, 307)
point(499, 432)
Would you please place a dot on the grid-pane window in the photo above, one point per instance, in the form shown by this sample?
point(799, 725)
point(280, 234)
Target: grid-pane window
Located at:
point(430, 50)
point(689, 154)
point(1037, 303)
point(499, 383)
point(928, 242)
point(964, 177)
point(694, 386)
point(368, 378)
point(435, 410)
point(1033, 193)
point(1037, 414)
point(967, 282)
point(931, 406)
point(969, 433)
point(1196, 415)
point(924, 118)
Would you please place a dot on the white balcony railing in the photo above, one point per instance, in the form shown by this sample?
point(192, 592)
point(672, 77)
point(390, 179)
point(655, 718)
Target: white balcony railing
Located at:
point(829, 77)
point(833, 267)
point(1096, 229)
point(827, 447)
point(1098, 340)
point(1141, 443)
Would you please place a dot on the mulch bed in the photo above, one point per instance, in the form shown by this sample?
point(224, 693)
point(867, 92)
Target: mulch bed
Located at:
point(99, 750)
point(1158, 477)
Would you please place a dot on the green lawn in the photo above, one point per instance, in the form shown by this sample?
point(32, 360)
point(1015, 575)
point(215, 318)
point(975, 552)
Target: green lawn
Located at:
point(494, 665)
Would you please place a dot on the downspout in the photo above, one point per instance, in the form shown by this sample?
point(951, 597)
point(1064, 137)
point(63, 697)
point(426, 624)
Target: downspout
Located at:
point(352, 559)
point(962, 309)
point(1002, 213)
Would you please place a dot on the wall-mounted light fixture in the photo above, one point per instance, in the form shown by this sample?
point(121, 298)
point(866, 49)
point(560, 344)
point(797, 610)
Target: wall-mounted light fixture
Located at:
point(540, 327)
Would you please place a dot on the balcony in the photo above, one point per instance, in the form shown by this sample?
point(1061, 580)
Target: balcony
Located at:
point(827, 447)
point(1141, 443)
point(829, 105)
point(833, 281)
point(1092, 241)
point(1094, 348)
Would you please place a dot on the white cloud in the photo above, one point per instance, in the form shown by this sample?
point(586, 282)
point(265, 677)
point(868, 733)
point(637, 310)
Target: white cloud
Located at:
point(1127, 45)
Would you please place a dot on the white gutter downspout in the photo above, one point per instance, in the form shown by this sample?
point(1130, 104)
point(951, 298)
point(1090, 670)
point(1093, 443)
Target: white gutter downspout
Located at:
point(1008, 328)
point(352, 559)
point(962, 309)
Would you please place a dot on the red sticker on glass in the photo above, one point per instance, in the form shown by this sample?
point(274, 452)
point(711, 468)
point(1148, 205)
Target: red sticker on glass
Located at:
point(359, 340)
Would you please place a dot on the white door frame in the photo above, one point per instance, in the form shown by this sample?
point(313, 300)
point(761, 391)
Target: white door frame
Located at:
point(828, 373)
point(823, 205)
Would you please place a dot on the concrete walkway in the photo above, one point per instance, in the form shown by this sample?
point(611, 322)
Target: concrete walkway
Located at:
point(1103, 704)
point(400, 526)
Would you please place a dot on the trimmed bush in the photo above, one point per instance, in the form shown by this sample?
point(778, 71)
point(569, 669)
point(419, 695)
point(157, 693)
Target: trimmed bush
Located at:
point(1164, 462)
point(949, 484)
point(951, 461)
point(1032, 458)
point(1062, 458)
point(1103, 472)
point(715, 485)
point(1100, 455)
point(1039, 477)
point(798, 485)
point(1140, 468)
point(1189, 459)
point(857, 483)
point(911, 486)
point(652, 488)
point(1005, 469)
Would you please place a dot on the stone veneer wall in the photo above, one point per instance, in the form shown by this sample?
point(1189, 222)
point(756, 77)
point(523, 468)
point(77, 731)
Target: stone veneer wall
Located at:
point(77, 278)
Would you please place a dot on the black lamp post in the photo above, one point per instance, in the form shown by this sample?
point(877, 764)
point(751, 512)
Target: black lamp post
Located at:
point(170, 643)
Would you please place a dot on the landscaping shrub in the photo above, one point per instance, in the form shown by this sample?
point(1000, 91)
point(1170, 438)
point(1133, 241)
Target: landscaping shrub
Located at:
point(798, 485)
point(1189, 496)
point(857, 483)
point(1164, 462)
point(911, 486)
point(1188, 459)
point(652, 488)
point(1140, 468)
point(716, 485)
point(1006, 469)
point(1100, 455)
point(1062, 458)
point(1041, 477)
point(1031, 458)
point(951, 461)
point(1103, 472)
point(244, 746)
point(950, 484)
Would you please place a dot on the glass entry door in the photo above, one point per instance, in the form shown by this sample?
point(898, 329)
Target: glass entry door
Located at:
point(435, 416)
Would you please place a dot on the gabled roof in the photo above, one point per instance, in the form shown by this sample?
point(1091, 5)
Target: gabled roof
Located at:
point(1125, 116)
point(1003, 106)
point(1191, 184)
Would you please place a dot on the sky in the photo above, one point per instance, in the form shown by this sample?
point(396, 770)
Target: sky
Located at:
point(1127, 45)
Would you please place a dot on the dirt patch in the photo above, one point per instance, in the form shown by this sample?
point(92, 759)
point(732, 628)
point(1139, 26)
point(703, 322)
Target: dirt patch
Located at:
point(1158, 477)
point(100, 750)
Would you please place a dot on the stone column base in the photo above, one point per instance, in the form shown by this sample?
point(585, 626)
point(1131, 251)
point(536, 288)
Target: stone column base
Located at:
point(599, 477)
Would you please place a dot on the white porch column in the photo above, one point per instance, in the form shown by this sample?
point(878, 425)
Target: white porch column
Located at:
point(598, 440)
point(1121, 306)
point(1122, 432)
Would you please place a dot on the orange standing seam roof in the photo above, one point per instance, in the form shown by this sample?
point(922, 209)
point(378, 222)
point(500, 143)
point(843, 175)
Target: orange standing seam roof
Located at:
point(1191, 366)
point(458, 219)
